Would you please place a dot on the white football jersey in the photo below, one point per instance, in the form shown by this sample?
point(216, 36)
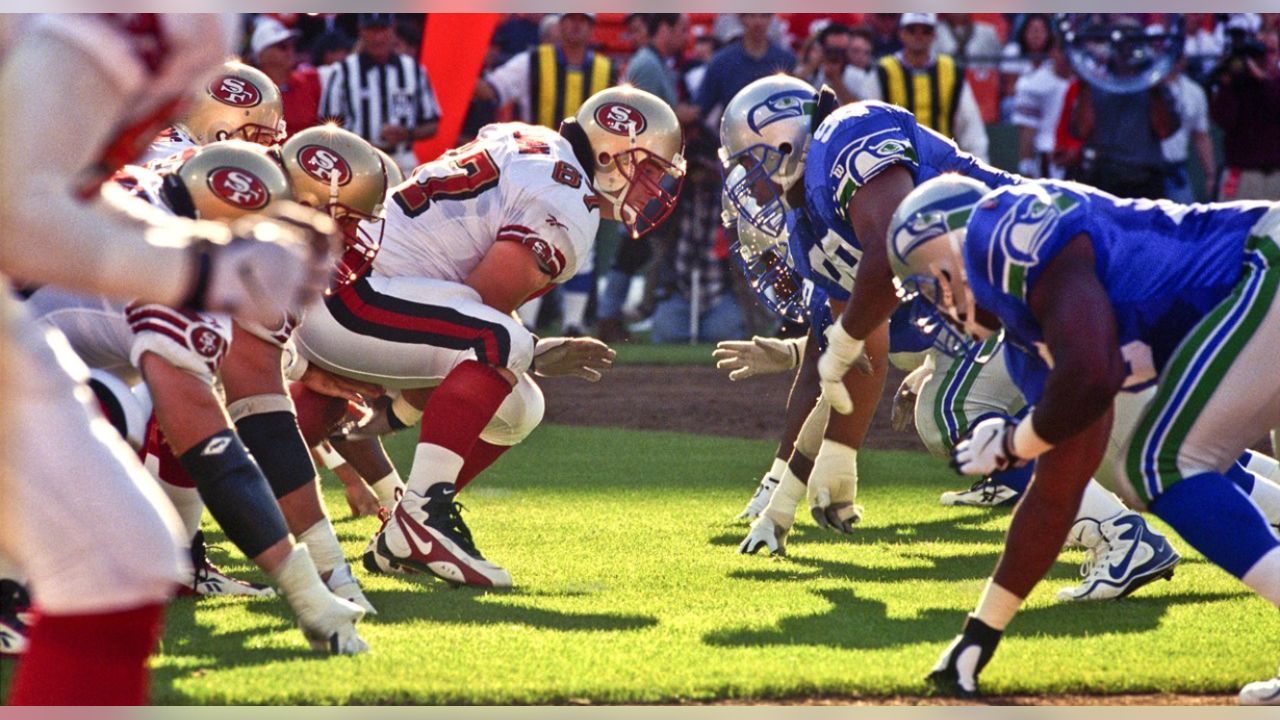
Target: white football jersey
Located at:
point(168, 144)
point(514, 182)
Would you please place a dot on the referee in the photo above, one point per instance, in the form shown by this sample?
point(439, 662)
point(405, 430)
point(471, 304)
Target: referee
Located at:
point(383, 96)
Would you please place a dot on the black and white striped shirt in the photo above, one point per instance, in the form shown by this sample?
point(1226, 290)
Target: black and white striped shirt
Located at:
point(364, 95)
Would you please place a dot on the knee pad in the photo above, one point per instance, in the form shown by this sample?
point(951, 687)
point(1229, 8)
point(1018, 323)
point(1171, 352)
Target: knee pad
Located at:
point(269, 429)
point(517, 416)
point(188, 340)
point(123, 408)
point(234, 490)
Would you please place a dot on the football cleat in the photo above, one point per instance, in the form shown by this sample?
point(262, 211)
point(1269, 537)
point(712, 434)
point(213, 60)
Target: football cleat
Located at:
point(1263, 692)
point(760, 500)
point(1129, 555)
point(14, 606)
point(428, 533)
point(375, 563)
point(342, 582)
point(985, 493)
point(208, 580)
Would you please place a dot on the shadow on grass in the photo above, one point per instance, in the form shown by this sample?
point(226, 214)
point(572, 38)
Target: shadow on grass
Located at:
point(931, 567)
point(855, 623)
point(464, 606)
point(964, 529)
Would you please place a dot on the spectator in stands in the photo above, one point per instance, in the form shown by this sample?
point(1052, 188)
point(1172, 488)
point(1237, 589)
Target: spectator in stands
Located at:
point(651, 68)
point(331, 47)
point(695, 274)
point(517, 33)
point(976, 44)
point(884, 27)
point(1026, 53)
point(740, 63)
point(1206, 39)
point(1037, 108)
point(833, 68)
point(862, 53)
point(1122, 133)
point(1246, 103)
point(955, 113)
point(273, 49)
point(704, 48)
point(1193, 134)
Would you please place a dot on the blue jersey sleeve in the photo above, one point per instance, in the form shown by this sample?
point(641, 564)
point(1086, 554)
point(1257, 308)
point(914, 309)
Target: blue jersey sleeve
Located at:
point(856, 143)
point(1014, 233)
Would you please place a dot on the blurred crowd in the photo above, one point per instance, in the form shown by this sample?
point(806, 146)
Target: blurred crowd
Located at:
point(962, 74)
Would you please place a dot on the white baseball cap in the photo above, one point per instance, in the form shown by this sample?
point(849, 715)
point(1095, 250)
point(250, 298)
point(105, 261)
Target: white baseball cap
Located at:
point(268, 32)
point(930, 19)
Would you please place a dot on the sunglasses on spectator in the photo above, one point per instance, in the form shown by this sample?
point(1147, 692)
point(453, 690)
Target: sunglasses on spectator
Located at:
point(919, 30)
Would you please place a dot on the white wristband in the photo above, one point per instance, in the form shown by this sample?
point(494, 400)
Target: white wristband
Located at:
point(842, 345)
point(1027, 443)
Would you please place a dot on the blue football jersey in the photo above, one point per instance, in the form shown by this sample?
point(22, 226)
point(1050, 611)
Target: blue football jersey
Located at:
point(1164, 266)
point(854, 144)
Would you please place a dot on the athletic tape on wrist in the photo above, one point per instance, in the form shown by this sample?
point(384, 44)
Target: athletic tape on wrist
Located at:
point(259, 405)
point(1027, 443)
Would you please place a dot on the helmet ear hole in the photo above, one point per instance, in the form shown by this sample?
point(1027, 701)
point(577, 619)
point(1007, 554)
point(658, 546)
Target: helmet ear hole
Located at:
point(785, 148)
point(604, 158)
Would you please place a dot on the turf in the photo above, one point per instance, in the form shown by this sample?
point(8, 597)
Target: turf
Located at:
point(630, 589)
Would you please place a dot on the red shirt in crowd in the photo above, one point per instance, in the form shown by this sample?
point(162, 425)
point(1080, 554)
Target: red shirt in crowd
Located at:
point(301, 96)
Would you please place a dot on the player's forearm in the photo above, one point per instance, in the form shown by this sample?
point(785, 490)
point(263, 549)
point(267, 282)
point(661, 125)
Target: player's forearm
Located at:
point(1047, 510)
point(804, 392)
point(874, 297)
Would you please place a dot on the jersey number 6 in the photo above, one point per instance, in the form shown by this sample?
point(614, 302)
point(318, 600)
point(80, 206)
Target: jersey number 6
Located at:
point(475, 173)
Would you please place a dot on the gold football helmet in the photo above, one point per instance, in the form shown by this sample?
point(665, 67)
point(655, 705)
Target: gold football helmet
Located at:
point(637, 144)
point(240, 102)
point(394, 175)
point(225, 181)
point(338, 172)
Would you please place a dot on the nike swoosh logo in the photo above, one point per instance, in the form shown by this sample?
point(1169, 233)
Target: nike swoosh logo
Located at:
point(1136, 528)
point(415, 534)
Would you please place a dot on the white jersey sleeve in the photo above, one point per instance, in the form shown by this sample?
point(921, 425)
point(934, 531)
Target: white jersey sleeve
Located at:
point(546, 210)
point(171, 143)
point(120, 80)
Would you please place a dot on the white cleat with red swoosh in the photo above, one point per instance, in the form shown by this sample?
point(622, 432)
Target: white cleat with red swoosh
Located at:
point(427, 533)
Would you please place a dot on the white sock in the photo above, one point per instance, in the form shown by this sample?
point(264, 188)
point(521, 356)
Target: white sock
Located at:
point(322, 544)
point(782, 505)
point(997, 606)
point(1266, 495)
point(1096, 507)
point(1263, 465)
point(433, 464)
point(574, 305)
point(298, 581)
point(778, 467)
point(188, 504)
point(387, 488)
point(528, 313)
point(1264, 577)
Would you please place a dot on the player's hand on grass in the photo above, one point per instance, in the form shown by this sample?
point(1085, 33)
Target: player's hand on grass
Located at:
point(833, 486)
point(903, 414)
point(581, 357)
point(956, 672)
point(757, 356)
point(361, 499)
point(987, 449)
point(843, 352)
point(765, 533)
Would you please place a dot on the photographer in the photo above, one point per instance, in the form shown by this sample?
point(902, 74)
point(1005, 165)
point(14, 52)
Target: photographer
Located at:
point(1122, 134)
point(831, 66)
point(1246, 104)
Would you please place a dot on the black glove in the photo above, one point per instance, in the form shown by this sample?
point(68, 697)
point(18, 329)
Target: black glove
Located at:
point(957, 670)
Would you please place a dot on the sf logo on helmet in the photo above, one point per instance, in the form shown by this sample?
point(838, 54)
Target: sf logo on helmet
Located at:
point(322, 164)
point(235, 91)
point(239, 187)
point(621, 119)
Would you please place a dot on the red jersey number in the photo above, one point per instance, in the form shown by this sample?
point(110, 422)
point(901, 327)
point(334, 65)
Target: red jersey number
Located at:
point(476, 173)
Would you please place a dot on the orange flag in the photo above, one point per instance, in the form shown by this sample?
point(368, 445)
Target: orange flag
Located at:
point(453, 50)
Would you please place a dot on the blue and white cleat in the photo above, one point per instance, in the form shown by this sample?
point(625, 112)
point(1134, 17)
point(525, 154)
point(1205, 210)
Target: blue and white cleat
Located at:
point(1263, 692)
point(1127, 555)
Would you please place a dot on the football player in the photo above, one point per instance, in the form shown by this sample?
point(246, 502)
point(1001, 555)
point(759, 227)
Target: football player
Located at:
point(1098, 295)
point(100, 585)
point(238, 103)
point(468, 238)
point(832, 176)
point(1122, 552)
point(179, 354)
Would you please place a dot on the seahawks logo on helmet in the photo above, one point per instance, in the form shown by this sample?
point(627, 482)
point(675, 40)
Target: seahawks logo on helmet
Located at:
point(1026, 226)
point(780, 106)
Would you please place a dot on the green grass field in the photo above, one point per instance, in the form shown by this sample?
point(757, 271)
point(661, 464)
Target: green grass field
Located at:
point(630, 590)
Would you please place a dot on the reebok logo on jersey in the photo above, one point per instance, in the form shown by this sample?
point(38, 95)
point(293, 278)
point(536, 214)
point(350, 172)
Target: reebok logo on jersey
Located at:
point(216, 446)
